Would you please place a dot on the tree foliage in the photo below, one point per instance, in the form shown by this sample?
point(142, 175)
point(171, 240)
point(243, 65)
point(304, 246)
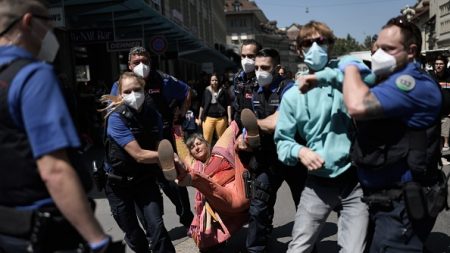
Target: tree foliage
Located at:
point(343, 46)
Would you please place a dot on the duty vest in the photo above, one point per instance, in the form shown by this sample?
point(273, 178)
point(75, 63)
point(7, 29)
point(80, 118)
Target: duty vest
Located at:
point(243, 90)
point(155, 88)
point(20, 183)
point(381, 143)
point(145, 131)
point(264, 105)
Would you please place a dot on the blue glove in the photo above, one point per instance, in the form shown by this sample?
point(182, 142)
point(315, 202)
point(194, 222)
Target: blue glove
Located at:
point(100, 246)
point(351, 60)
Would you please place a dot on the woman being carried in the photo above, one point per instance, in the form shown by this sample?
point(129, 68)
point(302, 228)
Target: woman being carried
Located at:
point(221, 205)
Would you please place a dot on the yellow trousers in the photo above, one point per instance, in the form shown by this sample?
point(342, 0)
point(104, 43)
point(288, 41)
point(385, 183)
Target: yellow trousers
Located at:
point(211, 125)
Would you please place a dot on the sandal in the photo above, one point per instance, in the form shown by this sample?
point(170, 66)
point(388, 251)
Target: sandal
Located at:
point(166, 160)
point(250, 123)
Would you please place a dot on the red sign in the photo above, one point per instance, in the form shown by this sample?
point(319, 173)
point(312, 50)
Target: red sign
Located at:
point(158, 44)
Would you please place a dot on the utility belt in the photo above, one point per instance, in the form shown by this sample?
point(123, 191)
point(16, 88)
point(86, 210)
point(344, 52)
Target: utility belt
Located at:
point(127, 180)
point(420, 202)
point(45, 228)
point(254, 189)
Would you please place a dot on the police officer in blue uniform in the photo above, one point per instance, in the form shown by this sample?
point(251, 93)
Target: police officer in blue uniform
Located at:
point(267, 171)
point(172, 99)
point(36, 132)
point(244, 82)
point(133, 131)
point(397, 143)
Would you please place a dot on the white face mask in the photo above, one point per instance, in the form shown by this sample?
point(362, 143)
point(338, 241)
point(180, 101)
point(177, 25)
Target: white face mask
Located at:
point(263, 78)
point(383, 63)
point(49, 47)
point(142, 70)
point(248, 65)
point(134, 99)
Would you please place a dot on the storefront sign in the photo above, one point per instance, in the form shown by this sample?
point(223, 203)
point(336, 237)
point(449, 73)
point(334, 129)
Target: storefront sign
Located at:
point(56, 15)
point(123, 45)
point(97, 35)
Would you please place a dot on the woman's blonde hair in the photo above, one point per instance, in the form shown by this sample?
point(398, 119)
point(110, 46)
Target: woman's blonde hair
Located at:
point(115, 101)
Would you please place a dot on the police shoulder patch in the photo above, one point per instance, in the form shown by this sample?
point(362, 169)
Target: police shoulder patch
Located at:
point(405, 83)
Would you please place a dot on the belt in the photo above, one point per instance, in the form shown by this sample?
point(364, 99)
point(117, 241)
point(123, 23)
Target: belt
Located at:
point(119, 178)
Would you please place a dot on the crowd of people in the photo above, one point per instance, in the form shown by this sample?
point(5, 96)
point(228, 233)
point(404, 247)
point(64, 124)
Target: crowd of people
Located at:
point(363, 141)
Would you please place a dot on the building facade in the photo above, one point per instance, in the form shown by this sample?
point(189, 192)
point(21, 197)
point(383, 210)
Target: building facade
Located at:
point(245, 20)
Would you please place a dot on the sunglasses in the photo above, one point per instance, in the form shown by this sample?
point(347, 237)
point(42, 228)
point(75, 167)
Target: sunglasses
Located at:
point(405, 24)
point(306, 43)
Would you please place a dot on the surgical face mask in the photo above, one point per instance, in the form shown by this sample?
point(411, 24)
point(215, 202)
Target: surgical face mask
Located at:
point(248, 65)
point(263, 78)
point(134, 99)
point(142, 70)
point(49, 47)
point(383, 63)
point(316, 57)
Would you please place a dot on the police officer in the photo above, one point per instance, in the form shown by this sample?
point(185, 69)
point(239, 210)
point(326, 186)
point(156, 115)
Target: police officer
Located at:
point(171, 97)
point(245, 80)
point(133, 131)
point(397, 142)
point(35, 133)
point(268, 172)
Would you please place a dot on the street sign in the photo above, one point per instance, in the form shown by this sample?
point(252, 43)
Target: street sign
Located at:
point(123, 45)
point(158, 44)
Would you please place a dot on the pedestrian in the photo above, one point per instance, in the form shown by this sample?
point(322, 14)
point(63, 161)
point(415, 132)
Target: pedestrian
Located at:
point(215, 111)
point(36, 132)
point(172, 99)
point(258, 101)
point(397, 143)
point(321, 119)
point(221, 204)
point(133, 131)
point(441, 74)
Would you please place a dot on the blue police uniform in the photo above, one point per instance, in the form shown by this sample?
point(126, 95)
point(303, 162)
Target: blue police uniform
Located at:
point(131, 187)
point(33, 110)
point(268, 172)
point(168, 92)
point(397, 149)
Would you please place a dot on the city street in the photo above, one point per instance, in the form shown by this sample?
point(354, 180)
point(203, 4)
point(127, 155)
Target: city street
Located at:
point(439, 241)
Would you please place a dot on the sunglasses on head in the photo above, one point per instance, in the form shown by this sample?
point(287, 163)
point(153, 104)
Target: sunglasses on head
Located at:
point(404, 23)
point(320, 41)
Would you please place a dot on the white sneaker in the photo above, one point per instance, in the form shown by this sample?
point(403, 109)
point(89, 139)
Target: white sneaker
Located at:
point(445, 162)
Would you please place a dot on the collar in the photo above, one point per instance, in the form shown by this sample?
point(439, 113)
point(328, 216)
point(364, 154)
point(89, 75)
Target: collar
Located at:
point(12, 52)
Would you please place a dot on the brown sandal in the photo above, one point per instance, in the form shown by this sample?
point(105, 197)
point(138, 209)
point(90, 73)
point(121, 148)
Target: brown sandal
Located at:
point(166, 156)
point(250, 123)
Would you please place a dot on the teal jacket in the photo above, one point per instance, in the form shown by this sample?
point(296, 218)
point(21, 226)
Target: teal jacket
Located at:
point(320, 118)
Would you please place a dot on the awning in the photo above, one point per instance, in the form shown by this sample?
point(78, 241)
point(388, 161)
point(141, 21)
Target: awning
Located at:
point(133, 19)
point(205, 55)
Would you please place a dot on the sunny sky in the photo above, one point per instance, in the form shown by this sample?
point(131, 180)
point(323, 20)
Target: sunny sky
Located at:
point(358, 18)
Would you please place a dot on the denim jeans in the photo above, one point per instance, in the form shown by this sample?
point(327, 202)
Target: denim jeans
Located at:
point(395, 232)
point(145, 195)
point(319, 198)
